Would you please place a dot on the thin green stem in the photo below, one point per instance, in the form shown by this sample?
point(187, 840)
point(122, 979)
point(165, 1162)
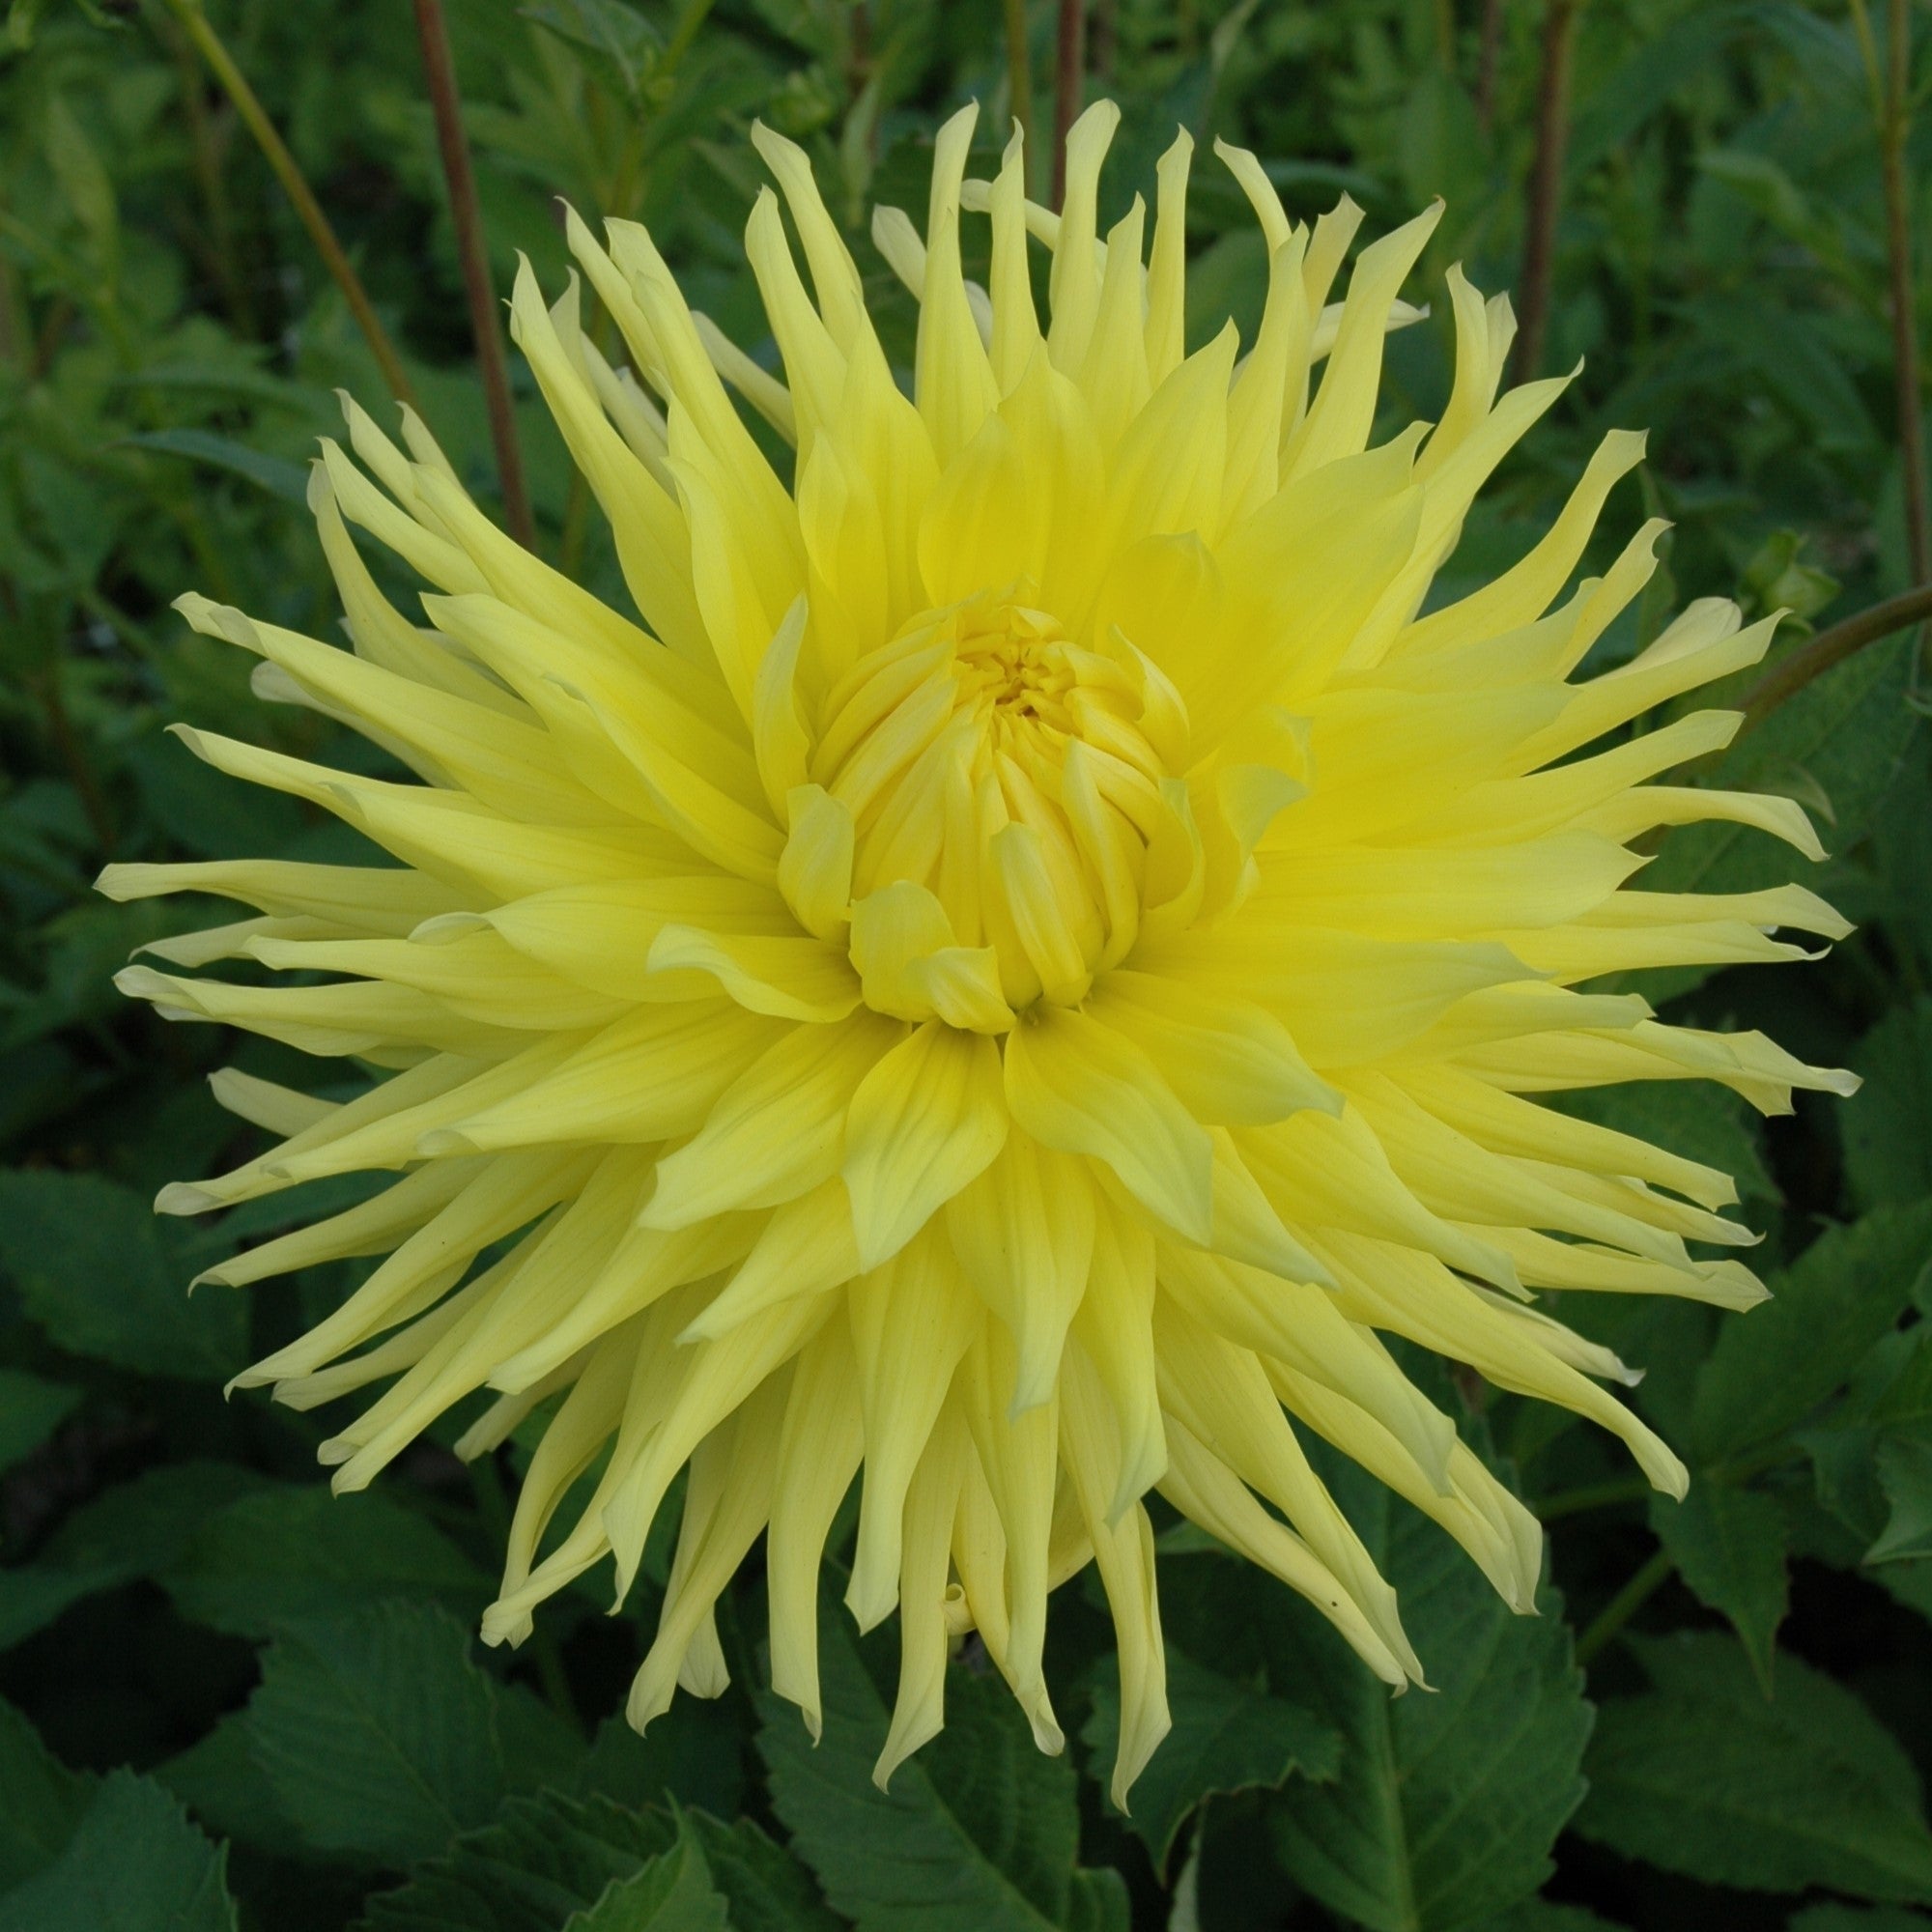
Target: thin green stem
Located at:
point(447, 104)
point(295, 185)
point(205, 151)
point(1623, 1606)
point(1894, 133)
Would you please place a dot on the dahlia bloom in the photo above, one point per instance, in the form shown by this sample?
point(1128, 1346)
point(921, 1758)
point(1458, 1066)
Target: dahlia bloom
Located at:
point(1010, 971)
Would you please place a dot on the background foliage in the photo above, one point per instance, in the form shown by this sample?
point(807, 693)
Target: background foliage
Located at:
point(230, 1699)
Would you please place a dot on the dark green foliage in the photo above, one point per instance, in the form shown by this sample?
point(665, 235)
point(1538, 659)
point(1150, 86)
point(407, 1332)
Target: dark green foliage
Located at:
point(1703, 1775)
point(979, 1830)
point(1447, 1803)
point(1227, 1735)
point(134, 1862)
point(229, 1699)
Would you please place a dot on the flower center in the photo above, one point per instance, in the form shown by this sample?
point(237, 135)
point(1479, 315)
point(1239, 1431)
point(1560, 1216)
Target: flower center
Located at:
point(1008, 775)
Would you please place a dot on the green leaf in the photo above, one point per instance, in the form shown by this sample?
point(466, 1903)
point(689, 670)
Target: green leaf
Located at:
point(545, 1858)
point(298, 1553)
point(377, 1734)
point(1855, 1919)
point(134, 1863)
point(131, 1532)
point(218, 1778)
point(1729, 1547)
point(1702, 1775)
point(41, 1801)
point(31, 1410)
point(1544, 1914)
point(1886, 1124)
point(673, 1893)
point(1448, 1800)
point(614, 39)
point(538, 1861)
point(769, 1891)
point(1905, 1473)
point(95, 1270)
point(1225, 1737)
point(275, 474)
point(1773, 1366)
point(693, 1754)
point(977, 1833)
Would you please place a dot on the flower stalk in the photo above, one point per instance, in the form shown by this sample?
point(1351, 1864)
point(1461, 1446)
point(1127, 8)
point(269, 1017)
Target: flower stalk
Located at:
point(287, 170)
point(1546, 184)
point(440, 72)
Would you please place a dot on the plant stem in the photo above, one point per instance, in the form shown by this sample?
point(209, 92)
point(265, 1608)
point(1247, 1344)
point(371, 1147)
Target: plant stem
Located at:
point(1546, 184)
point(1019, 77)
point(1904, 307)
point(301, 198)
point(205, 150)
point(1069, 60)
point(1487, 48)
point(1623, 1606)
point(1829, 649)
point(440, 70)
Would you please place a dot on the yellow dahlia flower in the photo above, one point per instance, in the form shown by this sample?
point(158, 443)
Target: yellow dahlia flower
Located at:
point(1016, 966)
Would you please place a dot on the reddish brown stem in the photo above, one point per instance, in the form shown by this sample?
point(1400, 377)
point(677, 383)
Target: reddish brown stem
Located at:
point(1546, 184)
point(440, 70)
point(1829, 649)
point(1069, 78)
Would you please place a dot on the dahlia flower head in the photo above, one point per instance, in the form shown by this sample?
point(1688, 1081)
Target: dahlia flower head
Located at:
point(1016, 966)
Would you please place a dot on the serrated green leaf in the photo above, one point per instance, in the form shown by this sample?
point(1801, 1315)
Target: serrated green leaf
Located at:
point(134, 1863)
point(672, 1893)
point(95, 1270)
point(1702, 1775)
point(1225, 1737)
point(1775, 1364)
point(1729, 1545)
point(31, 1410)
point(376, 1732)
point(1886, 1124)
point(538, 1861)
point(41, 1801)
point(130, 1532)
point(295, 1553)
point(218, 1778)
point(978, 1833)
point(1448, 1802)
point(769, 1891)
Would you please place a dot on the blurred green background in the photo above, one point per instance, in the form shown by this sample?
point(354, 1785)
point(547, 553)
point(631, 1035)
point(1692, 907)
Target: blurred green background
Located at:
point(228, 1698)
